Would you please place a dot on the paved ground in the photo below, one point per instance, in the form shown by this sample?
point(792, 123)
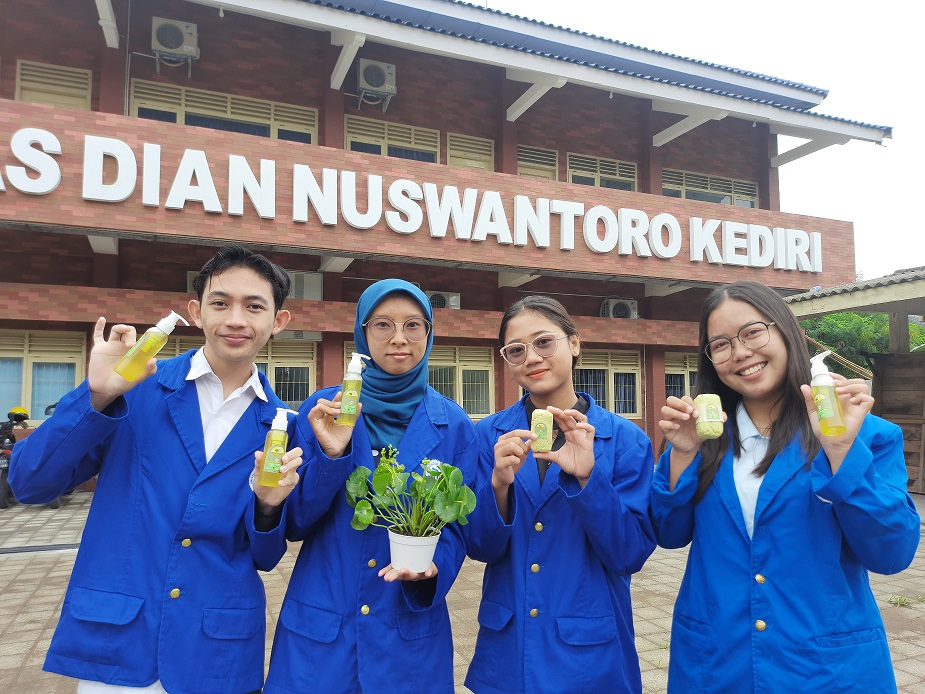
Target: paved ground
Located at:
point(37, 550)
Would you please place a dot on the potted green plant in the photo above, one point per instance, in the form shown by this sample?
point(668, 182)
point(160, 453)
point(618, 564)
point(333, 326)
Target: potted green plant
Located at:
point(413, 507)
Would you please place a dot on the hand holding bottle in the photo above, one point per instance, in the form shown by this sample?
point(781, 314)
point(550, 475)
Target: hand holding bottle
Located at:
point(856, 402)
point(105, 384)
point(270, 498)
point(332, 436)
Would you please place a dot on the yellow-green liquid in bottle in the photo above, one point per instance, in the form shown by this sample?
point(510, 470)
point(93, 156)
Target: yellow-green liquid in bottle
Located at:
point(133, 363)
point(350, 398)
point(273, 452)
point(831, 419)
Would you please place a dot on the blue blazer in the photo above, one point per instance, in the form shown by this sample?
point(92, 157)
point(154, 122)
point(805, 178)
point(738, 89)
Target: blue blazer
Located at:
point(555, 615)
point(342, 629)
point(791, 608)
point(165, 584)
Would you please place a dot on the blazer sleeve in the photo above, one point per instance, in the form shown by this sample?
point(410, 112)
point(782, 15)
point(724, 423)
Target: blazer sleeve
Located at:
point(672, 512)
point(614, 510)
point(321, 479)
point(487, 535)
point(868, 494)
point(66, 450)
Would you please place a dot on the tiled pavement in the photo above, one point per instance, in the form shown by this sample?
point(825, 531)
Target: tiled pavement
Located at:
point(32, 584)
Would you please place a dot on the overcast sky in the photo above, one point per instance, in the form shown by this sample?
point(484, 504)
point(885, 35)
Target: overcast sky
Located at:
point(868, 55)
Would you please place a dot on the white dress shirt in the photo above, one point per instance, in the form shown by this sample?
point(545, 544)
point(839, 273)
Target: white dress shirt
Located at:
point(754, 447)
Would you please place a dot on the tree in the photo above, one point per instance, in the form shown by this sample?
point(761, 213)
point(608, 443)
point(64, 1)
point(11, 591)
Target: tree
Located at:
point(849, 334)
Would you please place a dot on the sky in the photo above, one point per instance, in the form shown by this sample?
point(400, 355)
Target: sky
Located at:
point(863, 53)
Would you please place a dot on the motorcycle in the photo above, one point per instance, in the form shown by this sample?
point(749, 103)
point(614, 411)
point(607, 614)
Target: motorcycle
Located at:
point(16, 417)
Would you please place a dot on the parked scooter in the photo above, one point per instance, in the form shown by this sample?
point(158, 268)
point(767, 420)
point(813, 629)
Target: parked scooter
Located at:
point(16, 417)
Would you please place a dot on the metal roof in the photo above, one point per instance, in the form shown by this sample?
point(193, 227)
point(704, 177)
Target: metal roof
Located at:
point(902, 292)
point(603, 56)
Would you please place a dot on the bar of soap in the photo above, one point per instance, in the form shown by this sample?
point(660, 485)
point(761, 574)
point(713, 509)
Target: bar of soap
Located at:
point(541, 425)
point(709, 416)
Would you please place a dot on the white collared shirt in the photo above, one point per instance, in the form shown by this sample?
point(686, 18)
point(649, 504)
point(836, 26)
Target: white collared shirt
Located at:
point(220, 414)
point(754, 447)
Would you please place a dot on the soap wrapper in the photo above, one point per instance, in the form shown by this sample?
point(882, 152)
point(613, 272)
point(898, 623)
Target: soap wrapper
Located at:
point(541, 425)
point(709, 416)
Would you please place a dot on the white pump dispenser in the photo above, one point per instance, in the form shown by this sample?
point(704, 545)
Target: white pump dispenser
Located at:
point(831, 417)
point(148, 345)
point(275, 448)
point(350, 393)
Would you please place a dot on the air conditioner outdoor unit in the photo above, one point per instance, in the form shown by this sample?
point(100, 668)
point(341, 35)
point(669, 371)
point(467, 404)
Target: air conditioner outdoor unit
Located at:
point(377, 77)
point(443, 299)
point(174, 38)
point(619, 308)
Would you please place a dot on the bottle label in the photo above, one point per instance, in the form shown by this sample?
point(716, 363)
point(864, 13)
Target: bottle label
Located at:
point(823, 408)
point(273, 460)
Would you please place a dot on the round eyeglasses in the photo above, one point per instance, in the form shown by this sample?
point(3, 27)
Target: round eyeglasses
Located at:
point(382, 329)
point(515, 353)
point(754, 336)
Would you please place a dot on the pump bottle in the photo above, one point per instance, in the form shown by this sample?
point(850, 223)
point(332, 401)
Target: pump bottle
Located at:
point(350, 393)
point(831, 417)
point(274, 449)
point(148, 345)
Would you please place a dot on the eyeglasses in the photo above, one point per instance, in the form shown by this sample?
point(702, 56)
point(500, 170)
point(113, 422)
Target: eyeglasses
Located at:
point(754, 336)
point(515, 353)
point(382, 329)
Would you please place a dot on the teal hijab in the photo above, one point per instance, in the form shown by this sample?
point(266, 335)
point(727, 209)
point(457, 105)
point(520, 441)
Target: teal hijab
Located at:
point(390, 401)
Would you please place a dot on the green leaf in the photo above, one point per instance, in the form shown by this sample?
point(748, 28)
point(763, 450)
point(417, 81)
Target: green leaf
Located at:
point(363, 515)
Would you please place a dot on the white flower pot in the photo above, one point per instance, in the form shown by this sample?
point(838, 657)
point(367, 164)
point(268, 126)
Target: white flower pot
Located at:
point(413, 553)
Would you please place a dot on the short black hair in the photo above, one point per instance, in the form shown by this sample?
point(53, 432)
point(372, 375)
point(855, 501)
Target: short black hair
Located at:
point(239, 256)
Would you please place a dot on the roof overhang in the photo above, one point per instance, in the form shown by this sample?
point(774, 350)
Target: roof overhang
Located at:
point(351, 30)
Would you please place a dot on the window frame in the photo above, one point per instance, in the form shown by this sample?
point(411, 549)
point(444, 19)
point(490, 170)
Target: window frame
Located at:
point(385, 134)
point(682, 363)
point(599, 168)
point(738, 190)
point(613, 362)
point(66, 87)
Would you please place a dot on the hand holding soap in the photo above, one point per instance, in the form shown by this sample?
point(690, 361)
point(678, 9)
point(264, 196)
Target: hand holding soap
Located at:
point(275, 449)
point(148, 345)
point(831, 417)
point(709, 416)
point(541, 425)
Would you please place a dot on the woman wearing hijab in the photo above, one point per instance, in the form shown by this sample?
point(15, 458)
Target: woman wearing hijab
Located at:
point(350, 622)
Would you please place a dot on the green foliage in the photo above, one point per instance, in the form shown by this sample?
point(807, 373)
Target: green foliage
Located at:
point(849, 334)
point(419, 508)
point(898, 600)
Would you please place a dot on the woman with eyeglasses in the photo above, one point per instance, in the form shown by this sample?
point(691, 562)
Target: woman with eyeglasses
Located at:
point(350, 622)
point(783, 523)
point(561, 532)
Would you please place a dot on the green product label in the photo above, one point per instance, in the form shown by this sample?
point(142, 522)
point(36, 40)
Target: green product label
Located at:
point(823, 408)
point(273, 460)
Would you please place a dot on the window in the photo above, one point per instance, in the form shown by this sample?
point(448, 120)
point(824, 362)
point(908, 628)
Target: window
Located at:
point(693, 186)
point(603, 173)
point(38, 368)
point(534, 162)
point(612, 378)
point(394, 139)
point(464, 375)
point(680, 374)
point(288, 364)
point(54, 85)
point(472, 152)
point(187, 106)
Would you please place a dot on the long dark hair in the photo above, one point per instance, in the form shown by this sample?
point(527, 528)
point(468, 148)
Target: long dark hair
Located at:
point(791, 420)
point(544, 305)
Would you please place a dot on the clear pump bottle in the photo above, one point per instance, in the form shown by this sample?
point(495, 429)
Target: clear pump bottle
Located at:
point(831, 417)
point(275, 449)
point(350, 393)
point(147, 346)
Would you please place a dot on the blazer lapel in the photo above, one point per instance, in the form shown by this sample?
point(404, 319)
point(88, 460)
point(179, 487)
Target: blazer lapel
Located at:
point(726, 486)
point(787, 463)
point(183, 405)
point(247, 435)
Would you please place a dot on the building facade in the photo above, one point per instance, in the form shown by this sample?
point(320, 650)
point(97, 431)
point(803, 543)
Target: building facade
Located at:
point(480, 155)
